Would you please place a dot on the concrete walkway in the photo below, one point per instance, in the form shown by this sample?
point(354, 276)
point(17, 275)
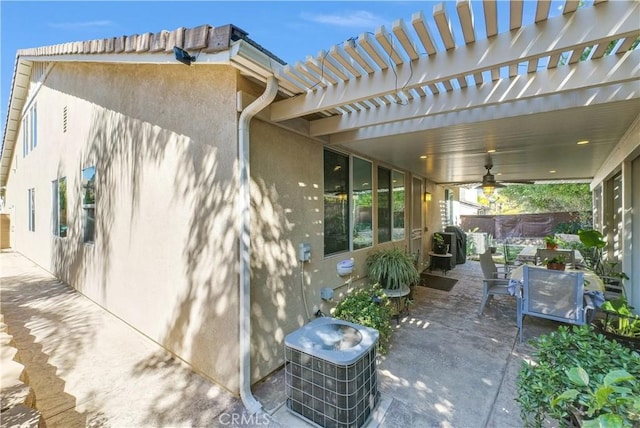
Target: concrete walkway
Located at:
point(447, 367)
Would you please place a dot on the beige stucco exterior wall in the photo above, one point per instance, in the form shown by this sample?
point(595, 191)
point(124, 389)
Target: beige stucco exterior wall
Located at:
point(163, 139)
point(287, 197)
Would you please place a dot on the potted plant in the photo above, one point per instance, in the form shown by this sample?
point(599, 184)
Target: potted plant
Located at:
point(555, 263)
point(439, 246)
point(544, 378)
point(552, 242)
point(392, 268)
point(620, 323)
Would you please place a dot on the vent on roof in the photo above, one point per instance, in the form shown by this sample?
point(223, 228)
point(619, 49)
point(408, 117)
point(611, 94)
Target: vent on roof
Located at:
point(64, 119)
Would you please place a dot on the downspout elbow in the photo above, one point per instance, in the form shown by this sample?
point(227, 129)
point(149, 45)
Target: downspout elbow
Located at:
point(244, 139)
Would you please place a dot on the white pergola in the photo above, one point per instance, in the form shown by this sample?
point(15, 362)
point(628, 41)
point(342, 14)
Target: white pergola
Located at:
point(412, 97)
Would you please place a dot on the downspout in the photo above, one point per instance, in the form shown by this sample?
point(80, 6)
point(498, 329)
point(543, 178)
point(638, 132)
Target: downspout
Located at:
point(244, 205)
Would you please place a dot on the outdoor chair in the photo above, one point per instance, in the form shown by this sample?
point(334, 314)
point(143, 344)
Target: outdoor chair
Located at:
point(495, 281)
point(542, 254)
point(551, 294)
point(509, 260)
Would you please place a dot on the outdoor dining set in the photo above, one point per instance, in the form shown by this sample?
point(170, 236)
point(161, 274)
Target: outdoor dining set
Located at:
point(568, 294)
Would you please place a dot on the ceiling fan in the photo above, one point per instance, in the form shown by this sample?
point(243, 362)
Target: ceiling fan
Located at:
point(489, 183)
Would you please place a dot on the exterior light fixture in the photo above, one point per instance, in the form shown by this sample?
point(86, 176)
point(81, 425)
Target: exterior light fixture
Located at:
point(427, 197)
point(488, 189)
point(183, 56)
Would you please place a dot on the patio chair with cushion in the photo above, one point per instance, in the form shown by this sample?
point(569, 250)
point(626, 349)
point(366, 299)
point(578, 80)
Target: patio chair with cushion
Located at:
point(551, 294)
point(495, 281)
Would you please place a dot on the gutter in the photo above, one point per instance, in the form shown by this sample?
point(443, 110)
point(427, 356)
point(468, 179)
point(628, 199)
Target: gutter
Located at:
point(244, 207)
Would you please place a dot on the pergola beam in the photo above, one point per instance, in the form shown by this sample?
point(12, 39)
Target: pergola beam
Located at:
point(602, 72)
point(514, 108)
point(596, 26)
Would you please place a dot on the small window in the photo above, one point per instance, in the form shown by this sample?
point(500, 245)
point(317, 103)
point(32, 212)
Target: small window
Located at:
point(34, 126)
point(25, 136)
point(29, 130)
point(59, 198)
point(31, 195)
point(88, 203)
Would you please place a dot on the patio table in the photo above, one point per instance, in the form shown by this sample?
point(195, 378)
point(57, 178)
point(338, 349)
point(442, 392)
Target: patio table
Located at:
point(528, 255)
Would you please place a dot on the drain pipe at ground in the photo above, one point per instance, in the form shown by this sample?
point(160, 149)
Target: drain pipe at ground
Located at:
point(244, 206)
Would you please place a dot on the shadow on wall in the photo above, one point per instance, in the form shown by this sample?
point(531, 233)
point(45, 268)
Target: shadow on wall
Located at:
point(128, 155)
point(273, 259)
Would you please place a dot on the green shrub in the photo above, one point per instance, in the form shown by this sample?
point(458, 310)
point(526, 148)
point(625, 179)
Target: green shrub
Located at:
point(369, 307)
point(539, 382)
point(613, 403)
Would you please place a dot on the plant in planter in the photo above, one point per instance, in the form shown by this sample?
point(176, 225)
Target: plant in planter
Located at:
point(439, 246)
point(552, 242)
point(594, 243)
point(555, 263)
point(612, 402)
point(369, 307)
point(392, 268)
point(544, 378)
point(620, 323)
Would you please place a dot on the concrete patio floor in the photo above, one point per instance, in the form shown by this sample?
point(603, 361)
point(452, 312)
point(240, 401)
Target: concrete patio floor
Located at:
point(447, 367)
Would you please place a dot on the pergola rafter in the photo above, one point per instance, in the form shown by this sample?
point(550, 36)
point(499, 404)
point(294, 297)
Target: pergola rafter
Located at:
point(384, 71)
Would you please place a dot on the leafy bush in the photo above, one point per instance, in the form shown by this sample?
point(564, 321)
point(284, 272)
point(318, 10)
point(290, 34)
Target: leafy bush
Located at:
point(556, 353)
point(613, 403)
point(369, 307)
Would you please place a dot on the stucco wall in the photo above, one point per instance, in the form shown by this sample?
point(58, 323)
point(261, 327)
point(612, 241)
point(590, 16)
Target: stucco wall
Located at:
point(287, 198)
point(163, 140)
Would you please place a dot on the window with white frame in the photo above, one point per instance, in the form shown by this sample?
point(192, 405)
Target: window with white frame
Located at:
point(31, 204)
point(59, 198)
point(88, 203)
point(30, 130)
point(348, 204)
